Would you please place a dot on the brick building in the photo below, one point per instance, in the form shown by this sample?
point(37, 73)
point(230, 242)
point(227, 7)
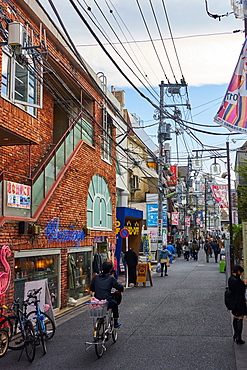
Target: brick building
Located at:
point(57, 167)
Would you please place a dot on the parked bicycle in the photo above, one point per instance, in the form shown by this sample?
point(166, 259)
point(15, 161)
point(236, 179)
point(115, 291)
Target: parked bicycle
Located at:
point(44, 325)
point(19, 328)
point(4, 341)
point(103, 326)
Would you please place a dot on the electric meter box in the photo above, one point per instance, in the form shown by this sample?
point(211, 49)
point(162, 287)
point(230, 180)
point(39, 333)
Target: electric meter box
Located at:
point(15, 37)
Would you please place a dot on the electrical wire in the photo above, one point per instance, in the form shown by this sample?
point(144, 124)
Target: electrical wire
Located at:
point(159, 30)
point(149, 34)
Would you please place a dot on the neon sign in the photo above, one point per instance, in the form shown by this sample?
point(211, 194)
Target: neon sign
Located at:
point(6, 274)
point(53, 233)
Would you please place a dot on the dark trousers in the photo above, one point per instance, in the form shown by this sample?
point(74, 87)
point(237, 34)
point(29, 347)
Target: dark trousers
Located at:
point(216, 256)
point(114, 306)
point(195, 255)
point(187, 255)
point(162, 268)
point(132, 275)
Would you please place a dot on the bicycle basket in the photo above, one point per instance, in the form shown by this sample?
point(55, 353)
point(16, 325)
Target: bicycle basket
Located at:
point(97, 309)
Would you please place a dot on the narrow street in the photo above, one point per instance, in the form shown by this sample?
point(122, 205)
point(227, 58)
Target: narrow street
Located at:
point(179, 323)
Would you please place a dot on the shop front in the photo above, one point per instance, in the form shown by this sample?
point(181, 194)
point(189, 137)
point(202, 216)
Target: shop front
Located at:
point(131, 220)
point(79, 272)
point(39, 264)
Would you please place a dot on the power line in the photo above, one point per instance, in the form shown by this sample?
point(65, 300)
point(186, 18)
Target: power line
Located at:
point(145, 23)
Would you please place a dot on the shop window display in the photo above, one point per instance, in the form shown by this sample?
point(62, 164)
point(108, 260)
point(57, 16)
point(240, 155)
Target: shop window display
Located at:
point(37, 268)
point(79, 272)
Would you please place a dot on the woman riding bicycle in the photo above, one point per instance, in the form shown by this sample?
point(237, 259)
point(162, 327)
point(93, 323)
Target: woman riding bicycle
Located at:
point(102, 285)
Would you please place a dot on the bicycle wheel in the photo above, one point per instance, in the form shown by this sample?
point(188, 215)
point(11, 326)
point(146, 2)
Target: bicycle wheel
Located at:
point(16, 340)
point(49, 323)
point(5, 323)
point(4, 342)
point(114, 332)
point(42, 334)
point(99, 337)
point(29, 340)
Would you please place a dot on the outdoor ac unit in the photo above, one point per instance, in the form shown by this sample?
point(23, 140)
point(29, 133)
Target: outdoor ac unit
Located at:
point(15, 37)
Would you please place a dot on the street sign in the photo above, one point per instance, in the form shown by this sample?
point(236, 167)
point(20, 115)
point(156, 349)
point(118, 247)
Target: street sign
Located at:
point(124, 233)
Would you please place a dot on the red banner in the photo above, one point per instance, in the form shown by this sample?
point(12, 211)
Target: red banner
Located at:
point(174, 176)
point(175, 216)
point(187, 221)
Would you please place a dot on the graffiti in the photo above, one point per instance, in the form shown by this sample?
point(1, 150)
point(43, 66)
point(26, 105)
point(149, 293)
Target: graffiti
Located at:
point(53, 233)
point(6, 274)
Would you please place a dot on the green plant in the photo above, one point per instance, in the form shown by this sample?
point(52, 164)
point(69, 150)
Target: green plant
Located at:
point(237, 242)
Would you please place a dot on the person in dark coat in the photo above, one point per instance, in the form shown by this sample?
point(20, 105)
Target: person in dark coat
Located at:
point(102, 285)
point(238, 286)
point(131, 261)
point(216, 248)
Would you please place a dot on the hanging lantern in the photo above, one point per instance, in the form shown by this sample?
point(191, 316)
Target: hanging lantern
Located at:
point(196, 163)
point(215, 168)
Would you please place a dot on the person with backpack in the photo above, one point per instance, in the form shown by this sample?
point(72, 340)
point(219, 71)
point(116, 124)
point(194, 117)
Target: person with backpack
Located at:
point(237, 286)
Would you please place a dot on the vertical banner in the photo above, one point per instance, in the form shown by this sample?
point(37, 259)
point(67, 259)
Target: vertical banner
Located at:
point(174, 177)
point(187, 221)
point(233, 113)
point(175, 216)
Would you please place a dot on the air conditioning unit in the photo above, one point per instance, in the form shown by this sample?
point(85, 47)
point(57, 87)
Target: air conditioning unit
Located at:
point(16, 33)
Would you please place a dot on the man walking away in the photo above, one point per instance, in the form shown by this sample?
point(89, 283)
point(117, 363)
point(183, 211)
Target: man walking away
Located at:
point(208, 250)
point(216, 249)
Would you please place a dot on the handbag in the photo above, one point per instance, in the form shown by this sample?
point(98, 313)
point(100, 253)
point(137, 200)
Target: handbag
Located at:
point(163, 260)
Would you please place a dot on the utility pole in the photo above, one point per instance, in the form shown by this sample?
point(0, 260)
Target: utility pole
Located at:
point(160, 168)
point(164, 134)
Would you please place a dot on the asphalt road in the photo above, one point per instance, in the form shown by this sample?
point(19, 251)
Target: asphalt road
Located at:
point(178, 323)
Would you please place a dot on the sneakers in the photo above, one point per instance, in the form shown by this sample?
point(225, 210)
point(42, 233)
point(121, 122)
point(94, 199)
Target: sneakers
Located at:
point(166, 274)
point(117, 325)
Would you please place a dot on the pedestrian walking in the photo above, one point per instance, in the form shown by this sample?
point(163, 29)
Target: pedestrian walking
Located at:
point(179, 247)
point(207, 249)
point(216, 249)
point(237, 287)
point(131, 261)
point(171, 249)
point(195, 249)
point(186, 251)
point(163, 259)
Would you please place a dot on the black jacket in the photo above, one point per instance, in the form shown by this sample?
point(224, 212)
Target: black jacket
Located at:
point(102, 285)
point(237, 286)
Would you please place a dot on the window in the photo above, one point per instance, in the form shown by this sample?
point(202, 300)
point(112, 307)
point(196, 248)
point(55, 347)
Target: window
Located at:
point(107, 137)
point(99, 205)
point(21, 81)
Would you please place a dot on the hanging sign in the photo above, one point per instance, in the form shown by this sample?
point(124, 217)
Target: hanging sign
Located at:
point(174, 177)
point(18, 195)
point(175, 216)
point(187, 221)
point(233, 113)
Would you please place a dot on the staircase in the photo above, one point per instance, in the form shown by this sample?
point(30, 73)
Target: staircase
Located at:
point(49, 174)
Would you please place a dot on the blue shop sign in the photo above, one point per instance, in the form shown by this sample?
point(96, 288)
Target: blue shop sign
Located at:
point(53, 233)
point(152, 215)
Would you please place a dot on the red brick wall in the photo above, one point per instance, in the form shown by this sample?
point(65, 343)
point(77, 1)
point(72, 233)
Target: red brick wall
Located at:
point(69, 201)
